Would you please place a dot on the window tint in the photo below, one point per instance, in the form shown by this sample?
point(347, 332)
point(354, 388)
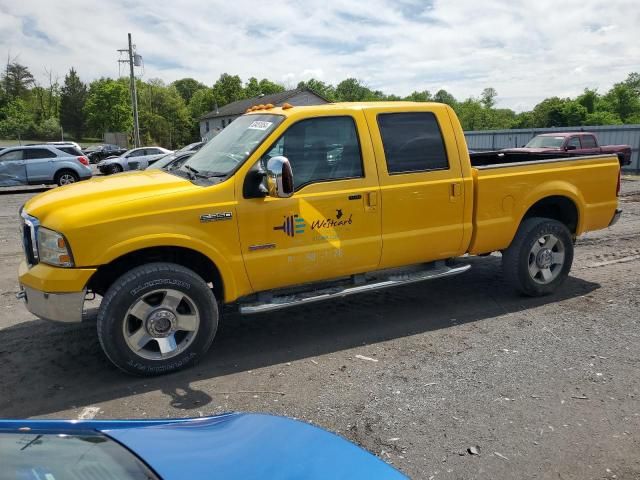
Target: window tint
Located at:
point(136, 153)
point(12, 155)
point(35, 153)
point(73, 151)
point(320, 149)
point(412, 142)
point(589, 141)
point(574, 142)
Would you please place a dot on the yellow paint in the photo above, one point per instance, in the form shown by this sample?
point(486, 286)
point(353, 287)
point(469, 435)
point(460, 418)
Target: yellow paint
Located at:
point(390, 220)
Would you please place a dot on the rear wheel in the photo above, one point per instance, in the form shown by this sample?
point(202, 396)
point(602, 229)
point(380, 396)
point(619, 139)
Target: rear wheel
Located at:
point(157, 318)
point(539, 259)
point(66, 177)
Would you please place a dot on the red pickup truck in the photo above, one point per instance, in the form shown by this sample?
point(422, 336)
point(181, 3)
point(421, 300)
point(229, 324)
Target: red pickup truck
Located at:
point(572, 144)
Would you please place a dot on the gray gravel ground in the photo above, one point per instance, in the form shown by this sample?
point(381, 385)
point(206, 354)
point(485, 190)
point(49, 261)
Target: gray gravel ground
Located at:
point(542, 388)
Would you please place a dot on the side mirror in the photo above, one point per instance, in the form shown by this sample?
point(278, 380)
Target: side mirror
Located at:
point(279, 177)
point(570, 147)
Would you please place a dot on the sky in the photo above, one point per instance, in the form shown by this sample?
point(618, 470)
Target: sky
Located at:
point(526, 50)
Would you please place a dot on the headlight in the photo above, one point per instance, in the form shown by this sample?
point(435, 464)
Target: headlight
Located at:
point(53, 248)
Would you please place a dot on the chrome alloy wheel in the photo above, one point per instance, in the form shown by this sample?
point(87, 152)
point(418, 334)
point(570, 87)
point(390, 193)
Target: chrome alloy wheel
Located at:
point(546, 259)
point(67, 179)
point(161, 324)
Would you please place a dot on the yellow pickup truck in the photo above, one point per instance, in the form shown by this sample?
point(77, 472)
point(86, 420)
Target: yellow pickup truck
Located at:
point(293, 205)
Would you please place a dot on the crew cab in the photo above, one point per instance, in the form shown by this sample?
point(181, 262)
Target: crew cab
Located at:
point(293, 205)
point(572, 144)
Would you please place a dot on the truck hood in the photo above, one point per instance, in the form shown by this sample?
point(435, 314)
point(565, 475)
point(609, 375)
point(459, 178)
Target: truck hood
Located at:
point(91, 195)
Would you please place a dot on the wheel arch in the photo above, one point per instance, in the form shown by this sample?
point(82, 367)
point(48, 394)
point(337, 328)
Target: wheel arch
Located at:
point(556, 207)
point(190, 258)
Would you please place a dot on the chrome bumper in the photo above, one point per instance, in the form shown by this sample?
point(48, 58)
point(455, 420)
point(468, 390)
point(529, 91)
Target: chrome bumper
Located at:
point(616, 217)
point(57, 307)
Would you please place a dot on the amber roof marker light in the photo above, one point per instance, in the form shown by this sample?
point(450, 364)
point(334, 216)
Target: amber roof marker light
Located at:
point(286, 106)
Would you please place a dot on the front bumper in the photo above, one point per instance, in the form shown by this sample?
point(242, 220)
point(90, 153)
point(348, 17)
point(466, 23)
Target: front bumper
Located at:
point(616, 217)
point(57, 307)
point(54, 293)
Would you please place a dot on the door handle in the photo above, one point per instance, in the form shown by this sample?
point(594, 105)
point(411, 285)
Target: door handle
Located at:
point(371, 201)
point(456, 190)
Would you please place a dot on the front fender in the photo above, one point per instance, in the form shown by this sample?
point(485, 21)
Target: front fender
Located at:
point(233, 275)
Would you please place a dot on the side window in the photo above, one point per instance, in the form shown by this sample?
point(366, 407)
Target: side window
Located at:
point(412, 142)
point(574, 142)
point(12, 155)
point(136, 153)
point(589, 141)
point(35, 153)
point(320, 149)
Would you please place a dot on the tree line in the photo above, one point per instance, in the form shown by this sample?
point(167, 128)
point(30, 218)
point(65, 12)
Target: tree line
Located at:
point(169, 113)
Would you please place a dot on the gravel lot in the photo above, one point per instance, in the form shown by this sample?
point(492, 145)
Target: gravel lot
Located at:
point(543, 388)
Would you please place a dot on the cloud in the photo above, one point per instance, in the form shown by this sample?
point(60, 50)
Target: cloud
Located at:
point(525, 50)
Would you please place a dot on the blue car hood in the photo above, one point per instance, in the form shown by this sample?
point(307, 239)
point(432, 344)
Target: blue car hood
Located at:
point(235, 446)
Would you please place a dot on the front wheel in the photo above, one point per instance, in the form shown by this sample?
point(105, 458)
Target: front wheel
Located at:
point(157, 318)
point(539, 259)
point(115, 168)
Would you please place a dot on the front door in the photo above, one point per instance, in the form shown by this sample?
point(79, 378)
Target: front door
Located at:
point(421, 184)
point(12, 168)
point(330, 227)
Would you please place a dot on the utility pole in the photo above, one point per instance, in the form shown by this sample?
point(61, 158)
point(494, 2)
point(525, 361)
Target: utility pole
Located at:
point(134, 93)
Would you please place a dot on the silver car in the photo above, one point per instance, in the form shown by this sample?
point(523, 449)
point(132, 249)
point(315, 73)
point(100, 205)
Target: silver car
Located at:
point(41, 164)
point(135, 159)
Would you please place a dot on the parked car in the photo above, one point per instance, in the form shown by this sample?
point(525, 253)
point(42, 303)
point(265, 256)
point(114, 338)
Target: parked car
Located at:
point(69, 148)
point(134, 159)
point(64, 143)
point(572, 144)
point(41, 164)
point(232, 446)
point(171, 161)
point(192, 147)
point(100, 152)
point(271, 213)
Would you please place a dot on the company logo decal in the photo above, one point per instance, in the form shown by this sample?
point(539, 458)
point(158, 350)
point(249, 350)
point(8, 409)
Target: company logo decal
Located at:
point(292, 225)
point(216, 217)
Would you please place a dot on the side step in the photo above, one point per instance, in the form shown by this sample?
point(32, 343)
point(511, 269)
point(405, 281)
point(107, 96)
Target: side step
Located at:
point(392, 280)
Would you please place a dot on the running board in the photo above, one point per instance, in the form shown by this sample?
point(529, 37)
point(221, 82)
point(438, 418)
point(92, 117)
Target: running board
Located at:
point(394, 280)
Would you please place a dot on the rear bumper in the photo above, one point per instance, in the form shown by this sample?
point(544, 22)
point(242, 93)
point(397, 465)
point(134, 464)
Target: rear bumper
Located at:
point(57, 307)
point(616, 217)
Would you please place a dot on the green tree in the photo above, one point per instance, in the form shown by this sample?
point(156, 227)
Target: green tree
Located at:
point(16, 119)
point(622, 100)
point(589, 100)
point(73, 97)
point(187, 87)
point(164, 116)
point(321, 88)
point(442, 96)
point(424, 96)
point(108, 106)
point(633, 82)
point(47, 129)
point(352, 90)
point(488, 97)
point(17, 80)
point(602, 118)
point(228, 89)
point(203, 101)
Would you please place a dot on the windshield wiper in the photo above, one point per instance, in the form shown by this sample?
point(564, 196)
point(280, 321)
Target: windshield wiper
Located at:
point(193, 173)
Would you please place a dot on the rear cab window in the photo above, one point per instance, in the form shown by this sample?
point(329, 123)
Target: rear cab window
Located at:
point(412, 142)
point(589, 141)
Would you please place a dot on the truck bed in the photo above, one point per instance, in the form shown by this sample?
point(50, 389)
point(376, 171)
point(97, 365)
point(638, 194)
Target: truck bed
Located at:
point(504, 193)
point(498, 157)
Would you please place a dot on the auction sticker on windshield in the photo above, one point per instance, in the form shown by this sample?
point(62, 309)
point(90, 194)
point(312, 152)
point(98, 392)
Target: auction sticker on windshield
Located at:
point(259, 125)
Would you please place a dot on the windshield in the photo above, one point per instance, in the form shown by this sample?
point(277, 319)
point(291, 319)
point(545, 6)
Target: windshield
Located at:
point(545, 142)
point(49, 456)
point(231, 147)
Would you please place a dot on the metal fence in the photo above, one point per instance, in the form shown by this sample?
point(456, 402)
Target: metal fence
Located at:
point(607, 135)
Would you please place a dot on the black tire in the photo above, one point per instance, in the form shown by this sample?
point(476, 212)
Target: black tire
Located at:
point(139, 286)
point(66, 177)
point(527, 271)
point(115, 168)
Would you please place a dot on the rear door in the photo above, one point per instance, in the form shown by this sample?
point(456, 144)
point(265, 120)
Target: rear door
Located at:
point(421, 184)
point(135, 159)
point(12, 168)
point(40, 164)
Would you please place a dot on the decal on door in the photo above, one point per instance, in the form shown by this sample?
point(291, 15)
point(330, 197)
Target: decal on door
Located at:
point(292, 225)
